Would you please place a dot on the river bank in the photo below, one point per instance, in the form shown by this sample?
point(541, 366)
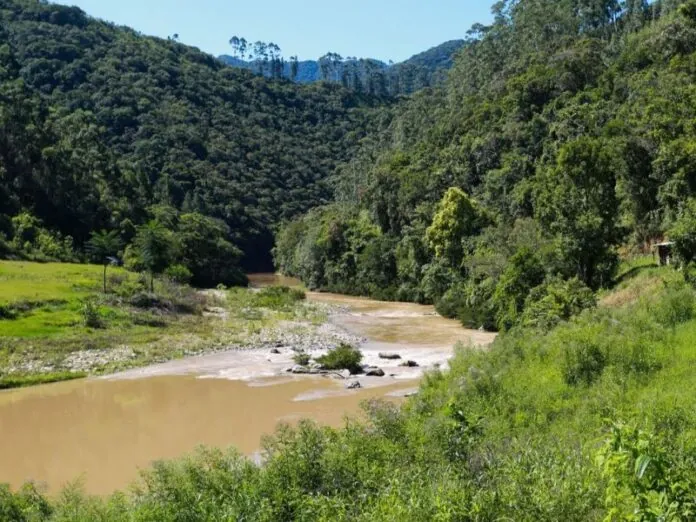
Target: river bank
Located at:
point(104, 429)
point(56, 323)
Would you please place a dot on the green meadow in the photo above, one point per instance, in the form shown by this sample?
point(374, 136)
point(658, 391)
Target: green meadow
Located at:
point(56, 322)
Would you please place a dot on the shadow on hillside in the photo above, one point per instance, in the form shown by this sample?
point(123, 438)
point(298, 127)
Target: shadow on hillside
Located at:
point(633, 272)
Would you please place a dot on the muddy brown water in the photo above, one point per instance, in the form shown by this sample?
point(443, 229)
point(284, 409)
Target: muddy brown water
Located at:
point(102, 432)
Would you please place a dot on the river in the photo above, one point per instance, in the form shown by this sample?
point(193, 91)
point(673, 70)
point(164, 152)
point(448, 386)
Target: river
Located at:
point(102, 431)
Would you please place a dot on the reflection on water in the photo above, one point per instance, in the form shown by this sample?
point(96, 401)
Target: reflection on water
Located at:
point(105, 430)
point(261, 280)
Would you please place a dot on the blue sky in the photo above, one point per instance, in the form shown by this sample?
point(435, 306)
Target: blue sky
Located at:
point(383, 29)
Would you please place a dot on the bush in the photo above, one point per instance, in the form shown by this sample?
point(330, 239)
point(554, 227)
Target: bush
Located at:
point(674, 308)
point(302, 358)
point(91, 317)
point(278, 297)
point(7, 312)
point(343, 357)
point(478, 310)
point(556, 301)
point(178, 274)
point(147, 300)
point(583, 362)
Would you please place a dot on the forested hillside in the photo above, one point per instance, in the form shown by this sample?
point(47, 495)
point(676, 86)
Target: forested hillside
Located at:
point(372, 76)
point(102, 128)
point(564, 132)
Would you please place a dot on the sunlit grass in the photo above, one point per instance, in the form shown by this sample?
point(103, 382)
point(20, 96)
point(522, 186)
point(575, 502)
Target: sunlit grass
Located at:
point(38, 282)
point(43, 319)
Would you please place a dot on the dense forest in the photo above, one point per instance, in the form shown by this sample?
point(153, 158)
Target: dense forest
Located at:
point(371, 76)
point(105, 129)
point(563, 133)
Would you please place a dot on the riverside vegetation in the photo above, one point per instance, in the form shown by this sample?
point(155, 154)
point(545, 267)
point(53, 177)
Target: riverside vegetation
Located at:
point(592, 420)
point(57, 323)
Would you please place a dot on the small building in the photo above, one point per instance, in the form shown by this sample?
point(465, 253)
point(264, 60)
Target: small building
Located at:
point(664, 250)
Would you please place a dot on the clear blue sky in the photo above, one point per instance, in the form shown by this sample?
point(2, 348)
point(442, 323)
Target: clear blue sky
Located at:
point(383, 29)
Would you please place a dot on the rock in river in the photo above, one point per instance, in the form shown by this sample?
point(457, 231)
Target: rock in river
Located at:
point(409, 364)
point(374, 372)
point(354, 385)
point(389, 356)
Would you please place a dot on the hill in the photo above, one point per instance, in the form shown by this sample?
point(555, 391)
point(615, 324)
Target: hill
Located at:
point(422, 70)
point(101, 125)
point(506, 194)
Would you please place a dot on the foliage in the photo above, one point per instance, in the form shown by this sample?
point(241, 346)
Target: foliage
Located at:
point(555, 301)
point(454, 220)
point(278, 297)
point(343, 357)
point(101, 123)
point(33, 241)
point(91, 317)
point(21, 381)
point(302, 358)
point(683, 232)
point(207, 252)
point(503, 435)
point(103, 247)
point(555, 126)
point(155, 246)
point(178, 274)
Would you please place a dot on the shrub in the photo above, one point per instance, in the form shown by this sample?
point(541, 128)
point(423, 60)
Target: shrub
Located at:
point(674, 308)
point(583, 362)
point(7, 312)
point(91, 317)
point(478, 310)
point(343, 357)
point(147, 300)
point(278, 297)
point(178, 274)
point(556, 301)
point(683, 232)
point(302, 358)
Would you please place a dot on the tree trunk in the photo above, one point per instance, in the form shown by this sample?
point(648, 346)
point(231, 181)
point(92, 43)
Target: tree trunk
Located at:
point(105, 278)
point(152, 282)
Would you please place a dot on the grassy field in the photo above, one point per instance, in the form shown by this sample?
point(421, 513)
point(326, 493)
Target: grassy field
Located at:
point(56, 323)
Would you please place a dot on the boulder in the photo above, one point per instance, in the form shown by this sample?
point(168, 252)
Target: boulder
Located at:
point(374, 372)
point(409, 364)
point(297, 369)
point(275, 351)
point(389, 356)
point(353, 385)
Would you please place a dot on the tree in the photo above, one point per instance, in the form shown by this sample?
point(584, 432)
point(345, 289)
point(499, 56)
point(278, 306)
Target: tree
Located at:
point(155, 245)
point(103, 247)
point(207, 252)
point(683, 232)
point(576, 201)
point(523, 273)
point(456, 217)
point(294, 67)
